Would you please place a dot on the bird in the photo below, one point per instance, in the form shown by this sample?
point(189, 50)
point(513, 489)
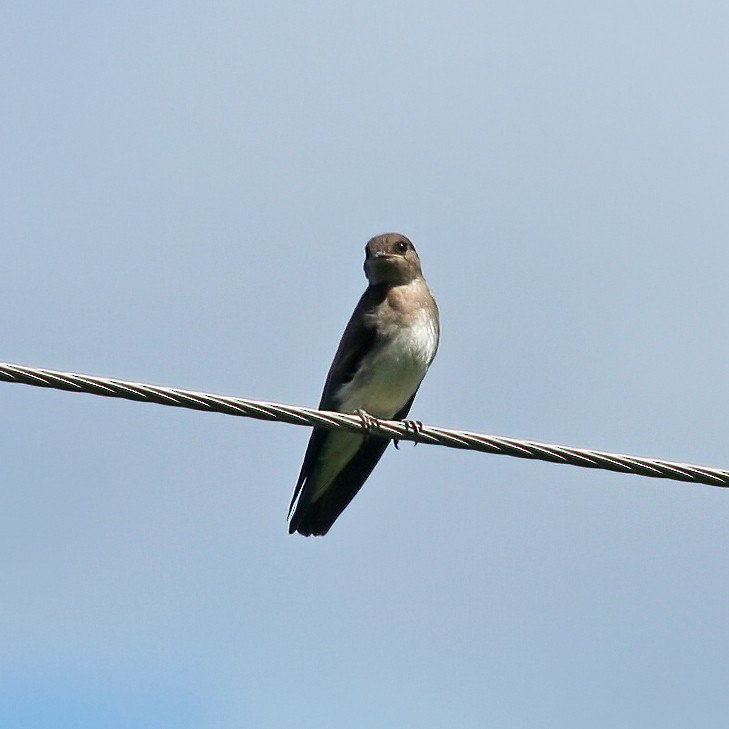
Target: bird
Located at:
point(383, 356)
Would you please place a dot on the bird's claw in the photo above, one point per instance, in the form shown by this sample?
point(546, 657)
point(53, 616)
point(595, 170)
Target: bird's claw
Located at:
point(368, 421)
point(416, 426)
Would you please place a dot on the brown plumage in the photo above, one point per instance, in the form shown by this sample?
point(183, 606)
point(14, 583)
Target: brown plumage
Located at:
point(384, 353)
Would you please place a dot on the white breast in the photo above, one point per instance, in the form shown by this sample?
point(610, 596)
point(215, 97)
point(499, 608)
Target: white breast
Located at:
point(390, 374)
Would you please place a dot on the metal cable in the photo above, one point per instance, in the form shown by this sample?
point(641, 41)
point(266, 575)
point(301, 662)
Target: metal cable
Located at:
point(400, 430)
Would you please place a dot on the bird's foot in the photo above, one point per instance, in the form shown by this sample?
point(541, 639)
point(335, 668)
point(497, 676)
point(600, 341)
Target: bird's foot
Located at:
point(415, 425)
point(368, 421)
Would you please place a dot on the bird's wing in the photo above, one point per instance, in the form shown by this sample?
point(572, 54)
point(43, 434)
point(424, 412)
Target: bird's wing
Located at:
point(357, 340)
point(316, 517)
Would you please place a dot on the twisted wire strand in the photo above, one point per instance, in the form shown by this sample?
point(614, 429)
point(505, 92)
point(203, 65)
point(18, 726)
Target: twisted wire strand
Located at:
point(400, 430)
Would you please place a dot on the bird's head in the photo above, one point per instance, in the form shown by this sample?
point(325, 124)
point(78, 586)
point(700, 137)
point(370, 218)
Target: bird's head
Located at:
point(391, 258)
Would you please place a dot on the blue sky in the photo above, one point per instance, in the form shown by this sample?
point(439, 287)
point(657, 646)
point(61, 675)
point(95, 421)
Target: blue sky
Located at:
point(186, 193)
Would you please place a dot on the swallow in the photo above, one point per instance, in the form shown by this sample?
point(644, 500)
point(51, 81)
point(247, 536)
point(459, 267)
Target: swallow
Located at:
point(384, 353)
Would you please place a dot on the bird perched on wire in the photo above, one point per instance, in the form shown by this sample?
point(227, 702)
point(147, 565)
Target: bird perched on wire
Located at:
point(385, 351)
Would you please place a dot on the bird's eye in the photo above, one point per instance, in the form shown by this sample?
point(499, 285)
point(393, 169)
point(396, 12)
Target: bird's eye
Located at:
point(402, 246)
